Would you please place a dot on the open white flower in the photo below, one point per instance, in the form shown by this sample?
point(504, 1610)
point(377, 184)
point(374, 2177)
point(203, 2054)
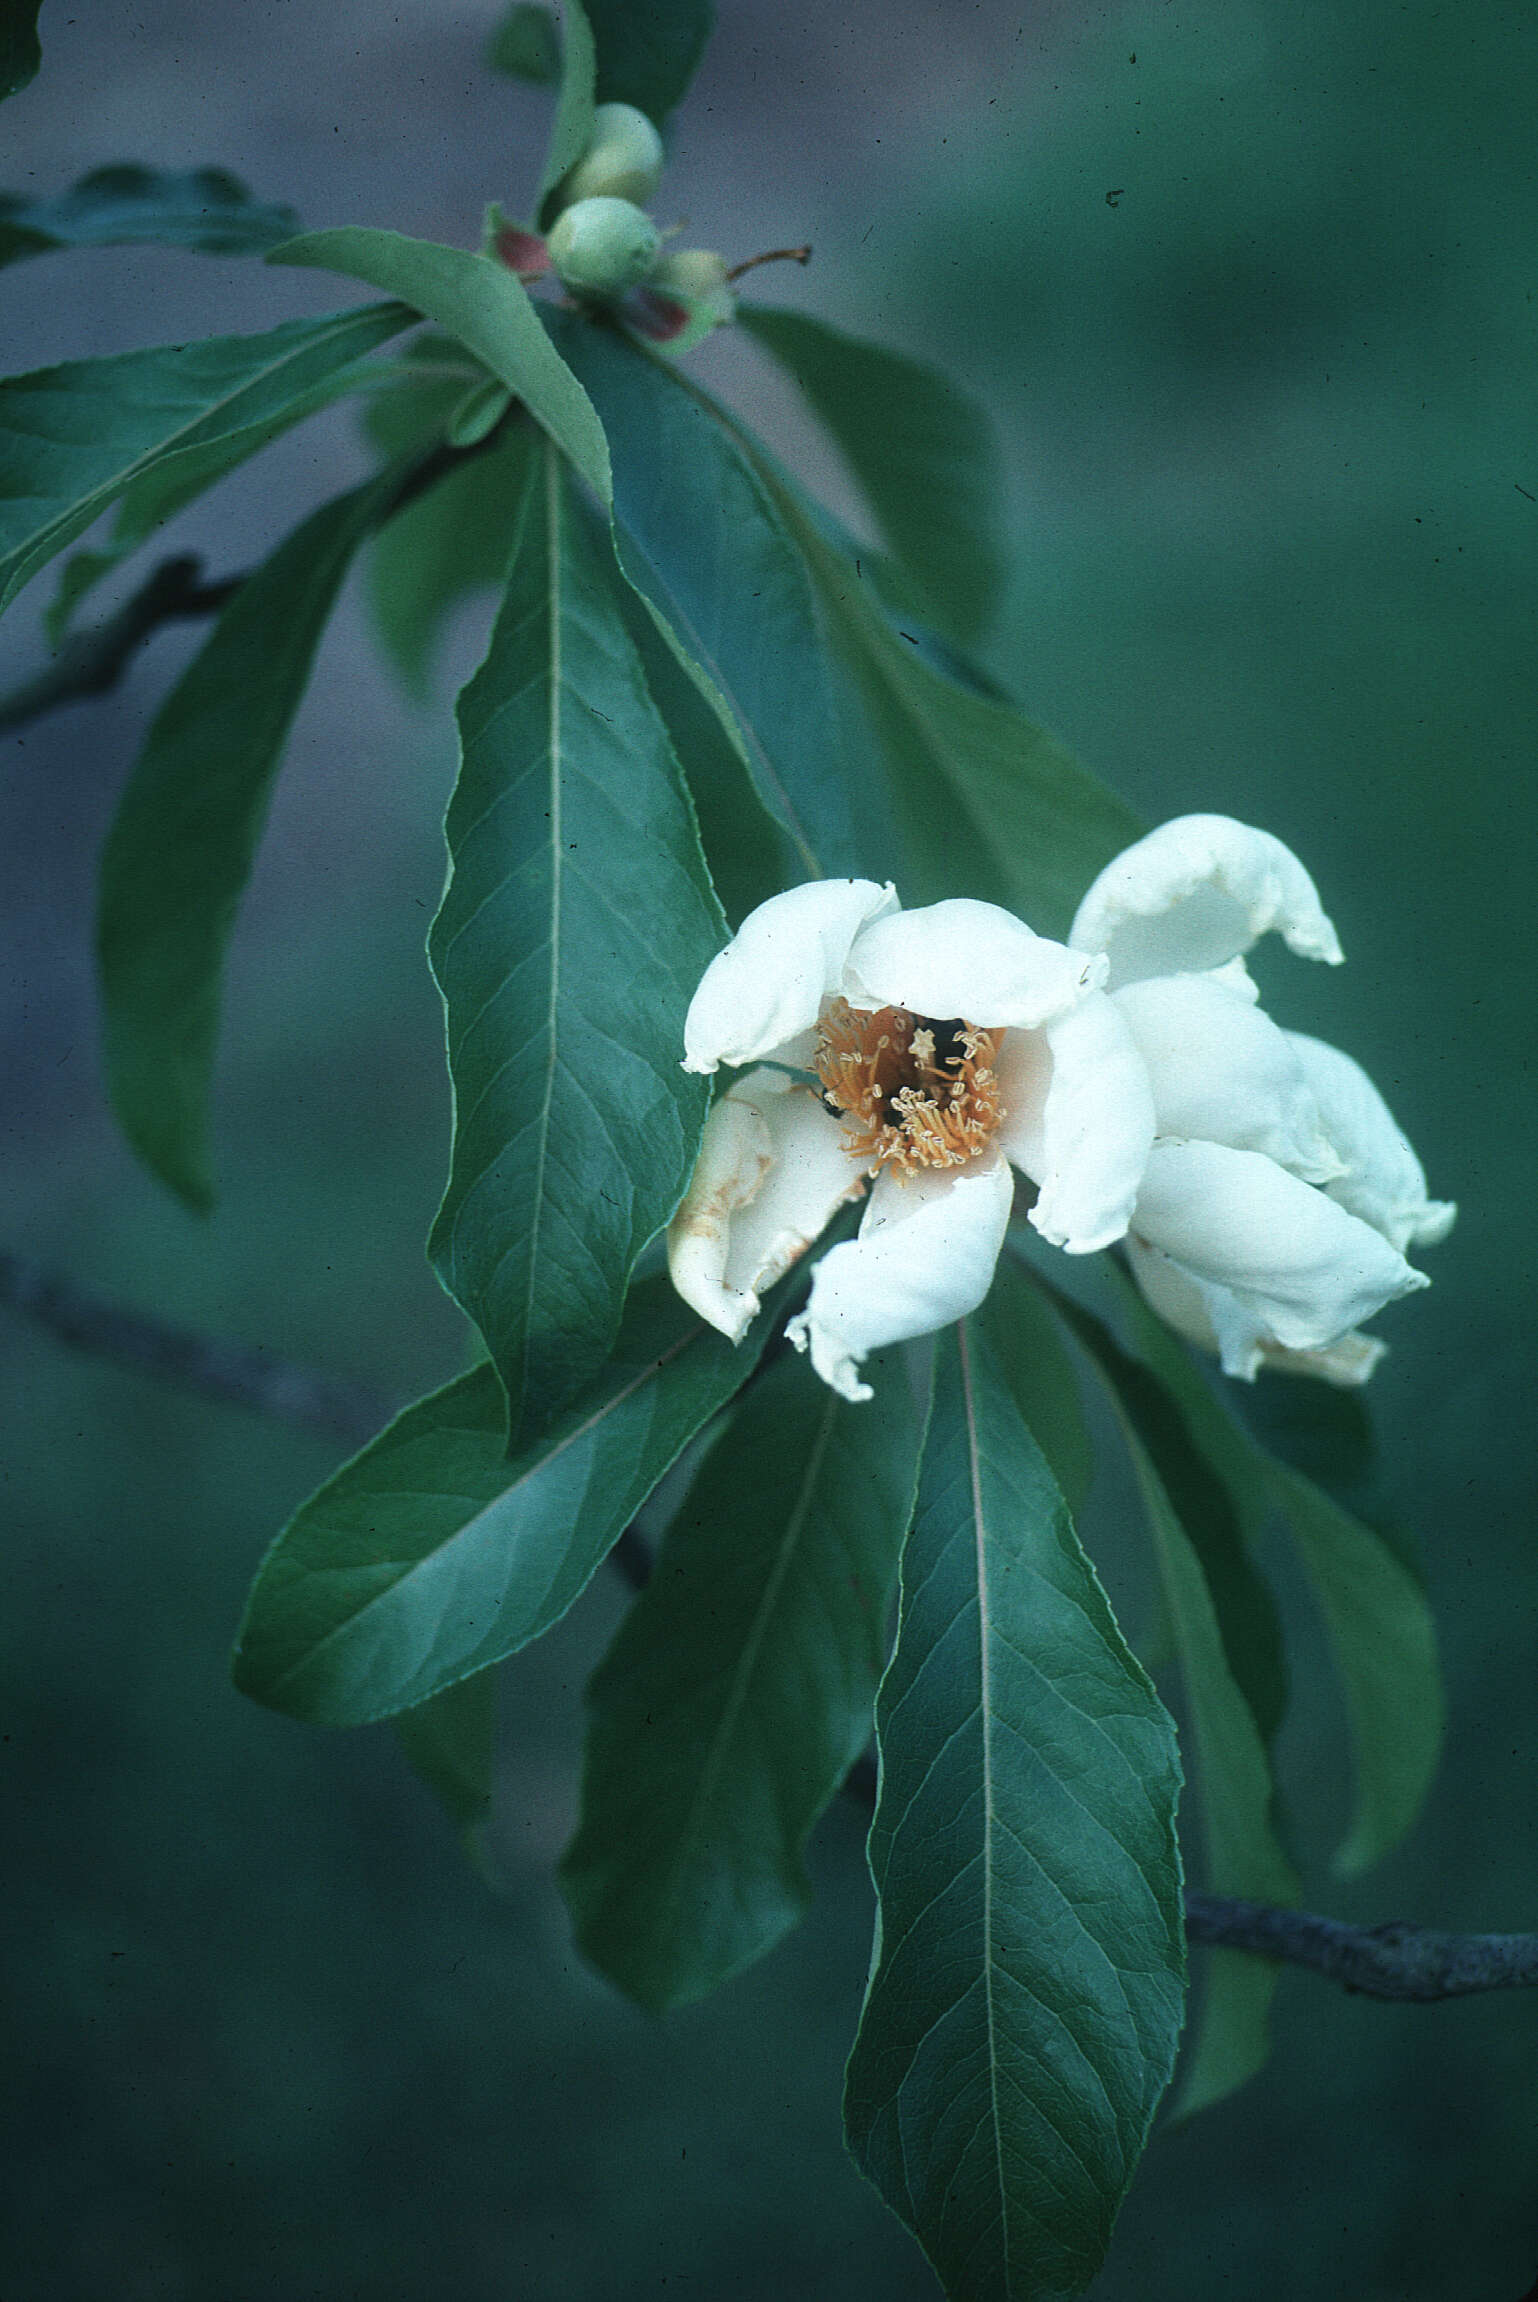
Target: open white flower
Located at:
point(939, 1049)
point(1280, 1196)
point(1264, 1191)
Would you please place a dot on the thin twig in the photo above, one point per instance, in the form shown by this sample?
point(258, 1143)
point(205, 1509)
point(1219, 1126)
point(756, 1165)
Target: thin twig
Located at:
point(205, 1364)
point(92, 662)
point(1398, 1960)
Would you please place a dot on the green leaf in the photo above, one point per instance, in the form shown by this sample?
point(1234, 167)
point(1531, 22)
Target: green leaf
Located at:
point(1025, 1995)
point(1221, 1621)
point(203, 209)
point(450, 542)
point(481, 303)
point(1383, 1636)
point(1380, 1627)
point(450, 1742)
point(526, 45)
point(922, 451)
point(1040, 1377)
point(989, 805)
point(704, 544)
point(1152, 1396)
point(177, 480)
point(750, 856)
point(648, 50)
point(572, 128)
point(20, 54)
point(74, 438)
point(182, 845)
point(738, 1692)
point(577, 922)
point(430, 1555)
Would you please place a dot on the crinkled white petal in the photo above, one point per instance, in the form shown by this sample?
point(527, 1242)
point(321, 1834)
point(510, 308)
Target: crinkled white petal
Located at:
point(1235, 977)
point(1347, 1363)
point(1079, 1120)
point(1213, 1318)
point(1222, 1071)
point(924, 1256)
point(1197, 893)
point(968, 960)
point(1300, 1271)
point(1384, 1182)
point(767, 986)
point(771, 1170)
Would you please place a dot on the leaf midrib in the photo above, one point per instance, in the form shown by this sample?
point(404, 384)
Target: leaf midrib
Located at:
point(178, 440)
point(350, 1622)
point(974, 1465)
point(742, 1677)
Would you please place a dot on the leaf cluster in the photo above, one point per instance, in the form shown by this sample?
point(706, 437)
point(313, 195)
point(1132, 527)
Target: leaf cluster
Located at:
point(696, 689)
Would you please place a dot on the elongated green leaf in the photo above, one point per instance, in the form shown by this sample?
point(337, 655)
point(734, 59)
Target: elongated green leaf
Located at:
point(1202, 1501)
point(1384, 1640)
point(430, 1555)
point(577, 922)
point(1380, 1627)
point(449, 543)
point(572, 127)
point(1040, 1377)
point(489, 311)
point(20, 54)
point(204, 209)
point(922, 451)
point(182, 844)
point(177, 480)
point(705, 546)
point(648, 50)
point(989, 804)
point(526, 45)
point(738, 1692)
point(750, 856)
point(1025, 1994)
point(1222, 1623)
point(450, 1742)
point(74, 438)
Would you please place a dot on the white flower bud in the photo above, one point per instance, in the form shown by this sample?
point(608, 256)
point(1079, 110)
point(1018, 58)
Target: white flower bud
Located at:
point(602, 246)
point(623, 160)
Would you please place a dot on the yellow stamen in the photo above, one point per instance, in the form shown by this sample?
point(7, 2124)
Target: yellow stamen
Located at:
point(904, 1103)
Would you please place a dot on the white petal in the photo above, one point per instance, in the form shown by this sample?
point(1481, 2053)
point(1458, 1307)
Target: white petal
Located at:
point(1223, 1072)
point(1347, 1363)
point(1299, 1269)
point(772, 1168)
point(1197, 893)
point(1079, 1120)
point(770, 981)
point(1235, 977)
point(1213, 1318)
point(924, 1256)
point(968, 960)
point(1384, 1182)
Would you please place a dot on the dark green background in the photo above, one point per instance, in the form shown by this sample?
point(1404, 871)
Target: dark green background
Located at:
point(1269, 421)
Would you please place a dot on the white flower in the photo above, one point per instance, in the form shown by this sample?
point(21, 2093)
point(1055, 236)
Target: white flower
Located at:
point(938, 1048)
point(1280, 1196)
point(1264, 1191)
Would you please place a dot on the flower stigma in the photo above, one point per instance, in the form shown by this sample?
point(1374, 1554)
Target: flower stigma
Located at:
point(914, 1093)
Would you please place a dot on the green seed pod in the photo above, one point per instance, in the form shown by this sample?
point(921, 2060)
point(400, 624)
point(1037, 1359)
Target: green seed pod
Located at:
point(623, 160)
point(601, 247)
point(695, 272)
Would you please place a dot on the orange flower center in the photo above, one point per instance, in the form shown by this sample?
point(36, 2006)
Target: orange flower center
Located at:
point(912, 1091)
